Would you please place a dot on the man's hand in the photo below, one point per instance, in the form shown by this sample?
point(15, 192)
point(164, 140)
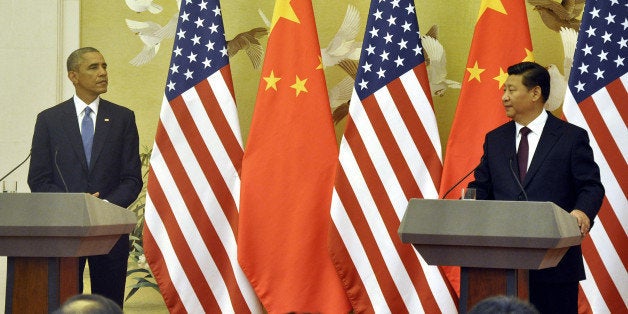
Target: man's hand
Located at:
point(97, 194)
point(583, 221)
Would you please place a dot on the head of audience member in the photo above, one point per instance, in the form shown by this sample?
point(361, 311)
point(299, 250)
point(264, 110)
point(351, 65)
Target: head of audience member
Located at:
point(503, 305)
point(89, 304)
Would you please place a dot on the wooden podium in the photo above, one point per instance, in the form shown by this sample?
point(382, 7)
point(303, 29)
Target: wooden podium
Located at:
point(494, 242)
point(43, 234)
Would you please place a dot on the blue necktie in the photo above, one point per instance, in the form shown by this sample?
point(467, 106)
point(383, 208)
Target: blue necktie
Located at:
point(87, 133)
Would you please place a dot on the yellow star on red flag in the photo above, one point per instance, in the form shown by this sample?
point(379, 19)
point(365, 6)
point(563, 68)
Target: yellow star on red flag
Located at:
point(283, 9)
point(299, 85)
point(474, 72)
point(501, 78)
point(271, 81)
point(529, 55)
point(496, 5)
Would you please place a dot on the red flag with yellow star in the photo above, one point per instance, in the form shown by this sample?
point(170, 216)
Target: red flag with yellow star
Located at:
point(501, 38)
point(288, 174)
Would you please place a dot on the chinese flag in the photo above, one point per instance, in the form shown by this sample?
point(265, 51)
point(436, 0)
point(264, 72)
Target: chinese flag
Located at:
point(288, 174)
point(501, 39)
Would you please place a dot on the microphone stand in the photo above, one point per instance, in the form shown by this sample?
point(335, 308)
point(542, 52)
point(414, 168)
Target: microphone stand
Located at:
point(512, 171)
point(459, 181)
point(16, 167)
point(463, 178)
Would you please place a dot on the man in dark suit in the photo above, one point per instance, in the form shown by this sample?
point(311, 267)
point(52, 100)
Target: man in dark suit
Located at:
point(549, 160)
point(87, 144)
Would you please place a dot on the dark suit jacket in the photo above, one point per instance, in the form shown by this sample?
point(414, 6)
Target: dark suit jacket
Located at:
point(562, 171)
point(58, 161)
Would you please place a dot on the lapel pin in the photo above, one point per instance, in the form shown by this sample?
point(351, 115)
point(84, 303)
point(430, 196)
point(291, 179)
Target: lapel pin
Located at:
point(106, 119)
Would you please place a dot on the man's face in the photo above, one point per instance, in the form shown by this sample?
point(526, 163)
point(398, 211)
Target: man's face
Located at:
point(90, 79)
point(521, 103)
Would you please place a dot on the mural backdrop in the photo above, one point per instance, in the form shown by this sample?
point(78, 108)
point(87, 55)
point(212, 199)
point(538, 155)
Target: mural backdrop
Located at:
point(119, 31)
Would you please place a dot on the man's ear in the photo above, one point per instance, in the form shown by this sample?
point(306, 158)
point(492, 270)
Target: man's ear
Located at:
point(73, 77)
point(536, 93)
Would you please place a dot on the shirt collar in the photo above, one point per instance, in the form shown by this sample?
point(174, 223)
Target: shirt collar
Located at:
point(537, 125)
point(80, 105)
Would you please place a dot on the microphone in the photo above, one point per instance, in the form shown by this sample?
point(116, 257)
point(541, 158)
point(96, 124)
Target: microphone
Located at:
point(59, 170)
point(464, 177)
point(16, 167)
point(512, 170)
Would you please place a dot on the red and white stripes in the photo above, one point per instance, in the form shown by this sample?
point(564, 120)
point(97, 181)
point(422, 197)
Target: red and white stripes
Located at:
point(192, 201)
point(389, 153)
point(604, 116)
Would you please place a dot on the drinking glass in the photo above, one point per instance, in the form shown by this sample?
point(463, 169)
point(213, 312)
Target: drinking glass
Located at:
point(468, 194)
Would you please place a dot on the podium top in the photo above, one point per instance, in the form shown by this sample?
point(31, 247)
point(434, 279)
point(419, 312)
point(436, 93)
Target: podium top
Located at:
point(489, 224)
point(61, 215)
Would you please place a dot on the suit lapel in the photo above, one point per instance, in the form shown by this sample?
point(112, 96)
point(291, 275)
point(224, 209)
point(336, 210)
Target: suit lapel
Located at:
point(509, 150)
point(551, 134)
point(508, 146)
point(69, 121)
point(103, 124)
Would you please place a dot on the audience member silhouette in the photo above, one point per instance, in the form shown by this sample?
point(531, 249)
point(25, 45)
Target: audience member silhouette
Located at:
point(89, 304)
point(503, 305)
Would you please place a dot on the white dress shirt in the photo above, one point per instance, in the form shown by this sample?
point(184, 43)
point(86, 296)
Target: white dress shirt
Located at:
point(536, 127)
point(80, 110)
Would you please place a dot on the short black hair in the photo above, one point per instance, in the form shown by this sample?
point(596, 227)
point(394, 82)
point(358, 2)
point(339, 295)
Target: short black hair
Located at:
point(74, 58)
point(533, 74)
point(502, 304)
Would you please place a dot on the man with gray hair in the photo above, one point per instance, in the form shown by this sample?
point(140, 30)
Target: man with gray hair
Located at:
point(89, 145)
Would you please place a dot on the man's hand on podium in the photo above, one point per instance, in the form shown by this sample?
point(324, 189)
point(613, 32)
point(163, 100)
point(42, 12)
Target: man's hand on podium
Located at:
point(583, 221)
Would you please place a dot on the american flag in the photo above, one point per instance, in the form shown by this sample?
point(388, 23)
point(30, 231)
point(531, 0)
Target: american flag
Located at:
point(597, 101)
point(193, 186)
point(390, 152)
